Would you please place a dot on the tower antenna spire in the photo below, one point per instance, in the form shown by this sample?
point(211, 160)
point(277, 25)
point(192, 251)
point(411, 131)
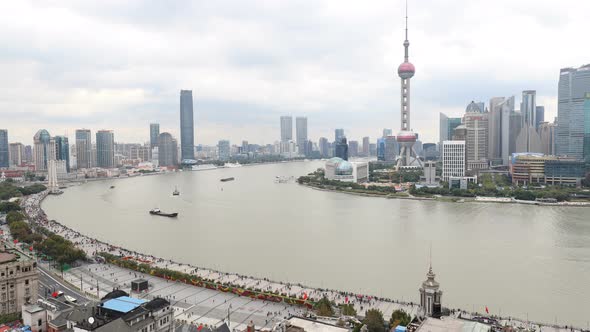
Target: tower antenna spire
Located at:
point(430, 267)
point(406, 42)
point(406, 19)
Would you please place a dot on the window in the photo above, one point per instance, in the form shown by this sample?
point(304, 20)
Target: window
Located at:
point(39, 322)
point(26, 281)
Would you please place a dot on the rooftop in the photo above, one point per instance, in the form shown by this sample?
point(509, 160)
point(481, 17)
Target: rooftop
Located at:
point(123, 304)
point(449, 324)
point(309, 325)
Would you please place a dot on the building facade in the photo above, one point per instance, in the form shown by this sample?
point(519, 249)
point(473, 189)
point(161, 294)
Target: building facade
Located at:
point(4, 149)
point(338, 134)
point(62, 151)
point(154, 133)
point(574, 83)
point(391, 149)
point(528, 140)
point(453, 159)
point(224, 150)
point(18, 281)
point(17, 154)
point(324, 147)
point(167, 150)
point(83, 148)
point(301, 131)
point(43, 151)
point(447, 127)
point(341, 149)
point(366, 147)
point(547, 136)
point(353, 149)
point(586, 153)
point(476, 123)
point(187, 126)
point(105, 149)
point(286, 128)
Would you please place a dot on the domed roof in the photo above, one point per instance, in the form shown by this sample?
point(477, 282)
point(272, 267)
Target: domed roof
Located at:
point(406, 70)
point(344, 168)
point(335, 160)
point(42, 136)
point(473, 107)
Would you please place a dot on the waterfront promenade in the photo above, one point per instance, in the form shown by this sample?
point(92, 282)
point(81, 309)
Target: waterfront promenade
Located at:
point(211, 313)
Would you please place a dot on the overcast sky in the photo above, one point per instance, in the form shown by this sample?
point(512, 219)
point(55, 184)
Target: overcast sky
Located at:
point(114, 64)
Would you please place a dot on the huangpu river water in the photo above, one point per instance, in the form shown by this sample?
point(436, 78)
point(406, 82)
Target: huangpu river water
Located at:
point(517, 260)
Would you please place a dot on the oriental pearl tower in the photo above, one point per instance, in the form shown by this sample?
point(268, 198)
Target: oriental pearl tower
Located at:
point(406, 137)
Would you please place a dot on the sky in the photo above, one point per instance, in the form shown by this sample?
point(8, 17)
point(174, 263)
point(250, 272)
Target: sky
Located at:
point(120, 65)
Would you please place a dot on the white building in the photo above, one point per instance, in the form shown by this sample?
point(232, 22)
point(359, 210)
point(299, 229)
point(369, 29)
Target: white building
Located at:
point(430, 173)
point(453, 159)
point(345, 171)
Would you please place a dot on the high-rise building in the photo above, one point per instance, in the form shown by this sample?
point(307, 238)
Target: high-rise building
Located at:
point(391, 148)
point(187, 125)
point(301, 131)
point(324, 147)
point(4, 149)
point(105, 149)
point(43, 151)
point(353, 148)
point(28, 154)
point(587, 128)
point(224, 150)
point(528, 139)
point(154, 133)
point(406, 137)
point(17, 154)
point(167, 150)
point(515, 124)
point(286, 128)
point(474, 107)
point(341, 149)
point(387, 132)
point(83, 148)
point(574, 83)
point(447, 127)
point(539, 116)
point(381, 149)
point(476, 143)
point(366, 147)
point(453, 159)
point(547, 134)
point(338, 134)
point(62, 150)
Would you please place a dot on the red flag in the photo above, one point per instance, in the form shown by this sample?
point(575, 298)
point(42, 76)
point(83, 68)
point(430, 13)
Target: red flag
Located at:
point(31, 248)
point(15, 241)
point(346, 299)
point(304, 295)
point(487, 311)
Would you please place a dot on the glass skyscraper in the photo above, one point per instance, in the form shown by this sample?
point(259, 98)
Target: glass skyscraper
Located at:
point(286, 128)
point(83, 148)
point(105, 149)
point(574, 83)
point(301, 131)
point(187, 125)
point(62, 150)
point(4, 154)
point(154, 133)
point(587, 128)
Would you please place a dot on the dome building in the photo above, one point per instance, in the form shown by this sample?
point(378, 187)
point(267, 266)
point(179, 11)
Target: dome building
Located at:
point(345, 171)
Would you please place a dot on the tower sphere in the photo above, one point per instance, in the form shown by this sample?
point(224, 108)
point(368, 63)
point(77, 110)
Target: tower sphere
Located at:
point(406, 70)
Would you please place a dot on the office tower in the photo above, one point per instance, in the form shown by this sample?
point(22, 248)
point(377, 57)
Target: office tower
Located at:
point(586, 154)
point(105, 149)
point(447, 127)
point(459, 134)
point(547, 134)
point(387, 132)
point(187, 125)
point(503, 136)
point(341, 149)
point(286, 128)
point(476, 142)
point(430, 172)
point(28, 154)
point(301, 131)
point(4, 149)
point(516, 124)
point(366, 147)
point(430, 151)
point(223, 148)
point(324, 147)
point(528, 139)
point(83, 148)
point(154, 133)
point(495, 128)
point(167, 150)
point(16, 154)
point(381, 149)
point(62, 151)
point(353, 148)
point(574, 83)
point(540, 116)
point(453, 159)
point(372, 149)
point(406, 137)
point(42, 150)
point(391, 148)
point(338, 135)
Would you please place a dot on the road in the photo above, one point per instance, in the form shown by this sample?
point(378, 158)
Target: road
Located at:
point(49, 284)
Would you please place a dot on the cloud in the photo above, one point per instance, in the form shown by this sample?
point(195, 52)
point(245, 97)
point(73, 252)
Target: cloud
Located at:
point(120, 65)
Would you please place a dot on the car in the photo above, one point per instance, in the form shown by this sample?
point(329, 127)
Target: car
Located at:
point(70, 299)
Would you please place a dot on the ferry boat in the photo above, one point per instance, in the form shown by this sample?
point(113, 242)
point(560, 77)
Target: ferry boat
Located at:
point(112, 187)
point(176, 192)
point(227, 179)
point(203, 167)
point(230, 165)
point(157, 212)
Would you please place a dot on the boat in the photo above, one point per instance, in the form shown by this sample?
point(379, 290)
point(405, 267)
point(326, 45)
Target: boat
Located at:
point(176, 192)
point(230, 165)
point(112, 187)
point(227, 179)
point(157, 212)
point(203, 167)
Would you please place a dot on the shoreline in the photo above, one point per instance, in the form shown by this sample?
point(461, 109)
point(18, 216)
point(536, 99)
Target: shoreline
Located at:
point(453, 199)
point(364, 302)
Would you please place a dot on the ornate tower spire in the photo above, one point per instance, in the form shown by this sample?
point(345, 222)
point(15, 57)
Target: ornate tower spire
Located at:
point(406, 42)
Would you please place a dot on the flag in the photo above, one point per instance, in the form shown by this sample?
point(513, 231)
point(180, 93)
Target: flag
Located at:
point(487, 311)
point(31, 248)
point(346, 299)
point(15, 241)
point(304, 295)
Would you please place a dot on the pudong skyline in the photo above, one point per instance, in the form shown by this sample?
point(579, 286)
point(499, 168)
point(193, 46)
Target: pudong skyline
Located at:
point(356, 93)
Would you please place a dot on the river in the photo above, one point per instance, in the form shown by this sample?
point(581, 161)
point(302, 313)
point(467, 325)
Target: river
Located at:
point(517, 260)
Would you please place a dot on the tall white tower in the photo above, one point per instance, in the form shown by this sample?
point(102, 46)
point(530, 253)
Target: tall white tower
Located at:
point(52, 184)
point(406, 137)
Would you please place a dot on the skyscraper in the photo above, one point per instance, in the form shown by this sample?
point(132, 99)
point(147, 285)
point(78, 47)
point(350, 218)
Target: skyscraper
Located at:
point(406, 137)
point(353, 148)
point(301, 130)
point(28, 153)
point(105, 149)
point(391, 148)
point(17, 154)
point(83, 148)
point(447, 127)
point(154, 133)
point(286, 128)
point(324, 147)
point(167, 150)
point(341, 149)
point(187, 125)
point(476, 143)
point(528, 139)
point(338, 135)
point(574, 83)
point(387, 132)
point(62, 150)
point(42, 153)
point(540, 116)
point(224, 150)
point(4, 149)
point(366, 147)
point(547, 134)
point(587, 127)
point(453, 159)
point(495, 128)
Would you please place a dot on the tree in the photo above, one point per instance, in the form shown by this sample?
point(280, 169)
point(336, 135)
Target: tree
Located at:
point(13, 216)
point(324, 307)
point(399, 317)
point(348, 310)
point(374, 320)
point(9, 206)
